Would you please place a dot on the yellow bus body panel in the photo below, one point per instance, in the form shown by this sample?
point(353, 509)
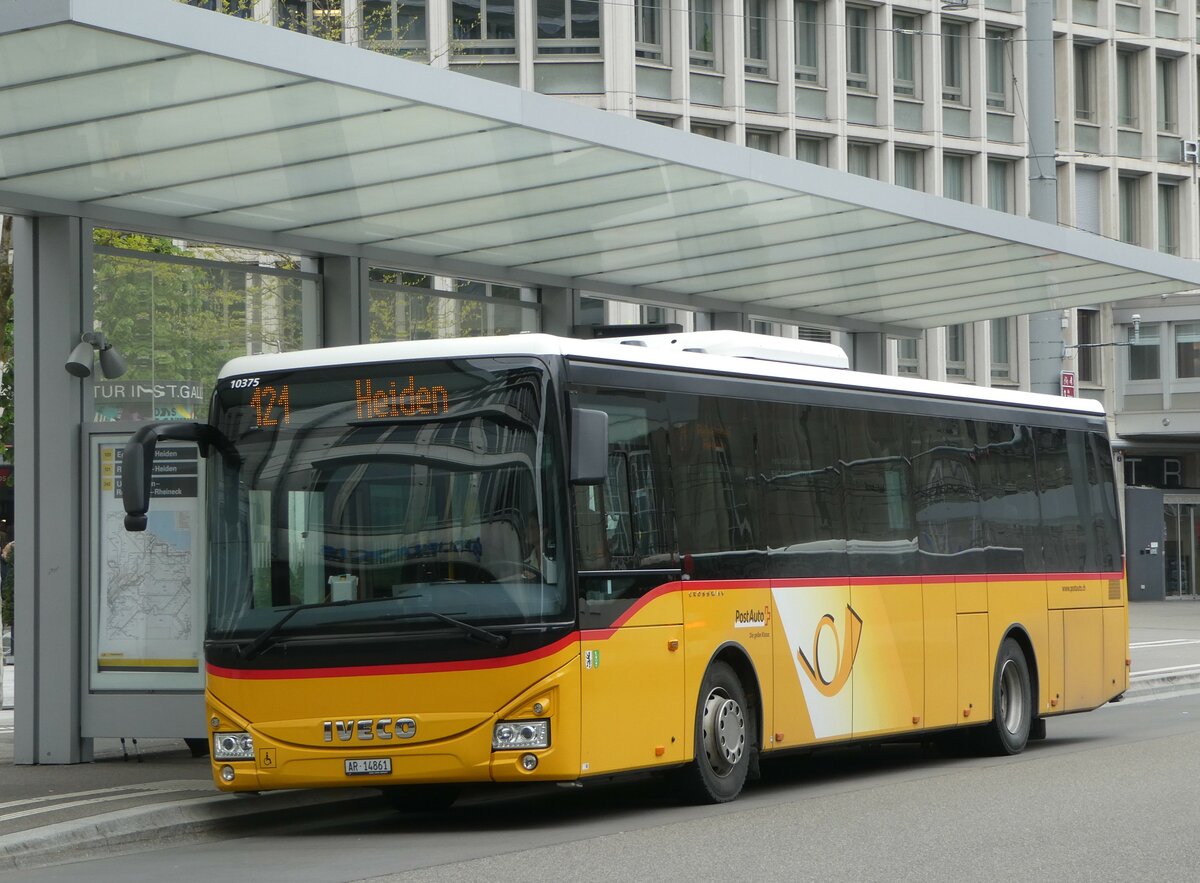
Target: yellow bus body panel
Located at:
point(454, 711)
point(632, 690)
point(823, 661)
point(941, 655)
point(889, 684)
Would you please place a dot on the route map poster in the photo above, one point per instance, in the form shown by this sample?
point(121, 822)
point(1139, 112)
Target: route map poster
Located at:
point(147, 588)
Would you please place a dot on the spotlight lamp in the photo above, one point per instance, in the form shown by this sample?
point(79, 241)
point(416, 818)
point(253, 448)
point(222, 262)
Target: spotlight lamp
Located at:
point(112, 363)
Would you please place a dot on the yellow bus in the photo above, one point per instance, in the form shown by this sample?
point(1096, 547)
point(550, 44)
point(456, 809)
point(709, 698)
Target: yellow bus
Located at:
point(535, 559)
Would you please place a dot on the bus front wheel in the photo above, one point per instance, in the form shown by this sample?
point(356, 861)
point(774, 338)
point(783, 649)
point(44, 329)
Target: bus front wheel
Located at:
point(1012, 702)
point(724, 739)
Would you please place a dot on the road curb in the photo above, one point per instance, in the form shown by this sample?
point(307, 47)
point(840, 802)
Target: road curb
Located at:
point(157, 824)
point(1140, 688)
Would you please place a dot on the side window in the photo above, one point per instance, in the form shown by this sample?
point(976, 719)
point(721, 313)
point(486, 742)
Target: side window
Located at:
point(713, 454)
point(946, 497)
point(1105, 530)
point(877, 477)
point(800, 478)
point(1009, 500)
point(627, 523)
point(1062, 488)
point(1066, 506)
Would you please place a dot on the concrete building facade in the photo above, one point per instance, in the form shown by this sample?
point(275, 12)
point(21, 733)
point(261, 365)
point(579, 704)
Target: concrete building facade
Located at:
point(928, 96)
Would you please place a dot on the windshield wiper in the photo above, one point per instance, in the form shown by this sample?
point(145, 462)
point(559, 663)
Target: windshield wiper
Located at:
point(474, 631)
point(260, 642)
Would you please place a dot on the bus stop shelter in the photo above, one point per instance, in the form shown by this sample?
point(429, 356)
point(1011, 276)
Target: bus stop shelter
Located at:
point(154, 116)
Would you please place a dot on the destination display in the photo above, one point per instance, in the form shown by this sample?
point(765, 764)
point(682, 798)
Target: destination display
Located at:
point(414, 390)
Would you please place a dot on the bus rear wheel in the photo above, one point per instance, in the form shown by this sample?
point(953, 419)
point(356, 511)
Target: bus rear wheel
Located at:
point(724, 739)
point(1012, 702)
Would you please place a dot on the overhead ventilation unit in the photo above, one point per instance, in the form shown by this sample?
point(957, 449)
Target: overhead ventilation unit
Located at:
point(744, 345)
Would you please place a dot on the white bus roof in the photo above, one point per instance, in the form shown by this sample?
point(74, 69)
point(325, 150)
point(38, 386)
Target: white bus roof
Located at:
point(658, 351)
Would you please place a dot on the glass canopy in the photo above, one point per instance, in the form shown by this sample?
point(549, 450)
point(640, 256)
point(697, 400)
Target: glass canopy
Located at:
point(207, 124)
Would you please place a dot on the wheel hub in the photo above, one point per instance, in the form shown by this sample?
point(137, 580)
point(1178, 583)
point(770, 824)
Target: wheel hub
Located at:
point(1011, 704)
point(724, 732)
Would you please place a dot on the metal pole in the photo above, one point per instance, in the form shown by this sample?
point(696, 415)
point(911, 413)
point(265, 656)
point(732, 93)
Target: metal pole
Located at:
point(1045, 329)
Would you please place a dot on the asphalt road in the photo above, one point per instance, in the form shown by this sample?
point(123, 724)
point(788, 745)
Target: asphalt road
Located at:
point(1111, 795)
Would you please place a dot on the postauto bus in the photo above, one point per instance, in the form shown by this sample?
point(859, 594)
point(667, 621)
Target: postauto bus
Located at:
point(531, 559)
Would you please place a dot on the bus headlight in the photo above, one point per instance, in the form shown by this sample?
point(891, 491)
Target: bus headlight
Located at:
point(512, 735)
point(233, 746)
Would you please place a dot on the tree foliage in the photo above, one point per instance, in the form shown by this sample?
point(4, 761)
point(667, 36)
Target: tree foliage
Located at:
point(370, 22)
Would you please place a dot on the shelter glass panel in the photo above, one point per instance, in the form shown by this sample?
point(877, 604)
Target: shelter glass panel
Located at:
point(177, 311)
point(414, 306)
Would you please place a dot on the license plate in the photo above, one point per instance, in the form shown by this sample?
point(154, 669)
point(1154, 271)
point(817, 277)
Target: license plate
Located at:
point(369, 766)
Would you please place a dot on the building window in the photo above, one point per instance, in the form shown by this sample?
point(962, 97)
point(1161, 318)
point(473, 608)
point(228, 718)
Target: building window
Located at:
point(810, 37)
point(1127, 89)
point(709, 131)
point(956, 177)
point(396, 27)
point(236, 8)
point(1085, 82)
point(1187, 350)
point(1168, 218)
point(999, 68)
point(906, 59)
point(568, 27)
point(958, 351)
point(954, 62)
point(1128, 193)
point(484, 27)
point(811, 150)
point(1001, 331)
point(860, 159)
point(859, 47)
point(757, 36)
point(311, 17)
point(1143, 352)
point(1165, 94)
point(648, 30)
point(1000, 185)
point(908, 357)
point(1087, 325)
point(908, 168)
point(702, 35)
point(759, 139)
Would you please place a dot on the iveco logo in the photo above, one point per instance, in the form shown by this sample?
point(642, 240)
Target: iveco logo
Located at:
point(371, 728)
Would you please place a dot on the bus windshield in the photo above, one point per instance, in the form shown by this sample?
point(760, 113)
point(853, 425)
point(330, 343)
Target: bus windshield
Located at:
point(386, 498)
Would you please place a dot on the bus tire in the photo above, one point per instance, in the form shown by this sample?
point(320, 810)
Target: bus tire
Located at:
point(1012, 702)
point(724, 739)
point(422, 798)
